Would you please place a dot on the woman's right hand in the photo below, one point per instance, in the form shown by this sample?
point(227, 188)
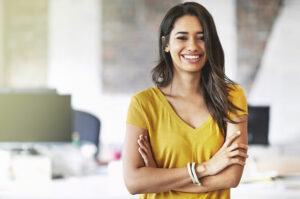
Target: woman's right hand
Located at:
point(146, 151)
point(227, 155)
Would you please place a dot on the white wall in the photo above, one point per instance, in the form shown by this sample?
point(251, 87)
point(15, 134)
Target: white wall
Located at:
point(224, 15)
point(75, 64)
point(74, 50)
point(278, 83)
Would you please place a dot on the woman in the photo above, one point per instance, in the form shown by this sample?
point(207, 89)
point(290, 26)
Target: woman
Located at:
point(187, 136)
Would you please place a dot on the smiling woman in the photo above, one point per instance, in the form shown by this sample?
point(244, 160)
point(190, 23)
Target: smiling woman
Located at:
point(187, 49)
point(187, 136)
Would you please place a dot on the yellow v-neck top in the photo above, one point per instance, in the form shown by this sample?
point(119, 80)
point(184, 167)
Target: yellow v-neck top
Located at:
point(175, 143)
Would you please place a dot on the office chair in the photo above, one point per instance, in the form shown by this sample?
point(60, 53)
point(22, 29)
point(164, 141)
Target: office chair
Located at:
point(258, 124)
point(88, 127)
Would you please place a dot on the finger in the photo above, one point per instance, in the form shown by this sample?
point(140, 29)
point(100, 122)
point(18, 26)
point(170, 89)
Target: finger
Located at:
point(147, 145)
point(142, 145)
point(238, 153)
point(243, 159)
point(141, 137)
point(142, 152)
point(230, 139)
point(238, 161)
point(144, 155)
point(238, 146)
point(147, 139)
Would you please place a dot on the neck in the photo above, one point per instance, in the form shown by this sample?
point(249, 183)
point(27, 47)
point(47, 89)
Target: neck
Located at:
point(184, 84)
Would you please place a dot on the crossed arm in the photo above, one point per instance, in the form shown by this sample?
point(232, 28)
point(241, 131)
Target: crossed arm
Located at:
point(223, 170)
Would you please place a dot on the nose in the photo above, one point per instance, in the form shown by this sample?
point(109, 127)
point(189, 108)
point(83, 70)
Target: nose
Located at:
point(192, 45)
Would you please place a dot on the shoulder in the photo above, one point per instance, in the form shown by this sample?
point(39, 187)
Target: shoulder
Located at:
point(238, 98)
point(235, 90)
point(139, 107)
point(144, 93)
point(145, 97)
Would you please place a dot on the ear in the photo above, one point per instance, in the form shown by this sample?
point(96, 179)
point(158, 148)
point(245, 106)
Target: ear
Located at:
point(167, 49)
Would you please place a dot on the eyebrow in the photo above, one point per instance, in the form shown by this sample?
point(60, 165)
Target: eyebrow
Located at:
point(188, 33)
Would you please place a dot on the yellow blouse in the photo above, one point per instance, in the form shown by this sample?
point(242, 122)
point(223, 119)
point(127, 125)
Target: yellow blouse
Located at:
point(174, 142)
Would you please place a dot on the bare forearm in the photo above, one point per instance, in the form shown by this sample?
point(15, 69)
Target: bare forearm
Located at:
point(227, 178)
point(156, 180)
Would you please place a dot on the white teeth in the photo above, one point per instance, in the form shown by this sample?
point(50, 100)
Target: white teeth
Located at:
point(191, 56)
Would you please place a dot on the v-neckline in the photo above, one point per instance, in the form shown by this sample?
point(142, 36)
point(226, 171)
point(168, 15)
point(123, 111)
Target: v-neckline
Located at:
point(165, 101)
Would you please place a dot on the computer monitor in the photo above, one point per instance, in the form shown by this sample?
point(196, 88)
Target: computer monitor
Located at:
point(258, 124)
point(35, 117)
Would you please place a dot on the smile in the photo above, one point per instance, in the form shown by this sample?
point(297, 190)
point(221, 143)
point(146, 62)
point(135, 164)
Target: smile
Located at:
point(193, 58)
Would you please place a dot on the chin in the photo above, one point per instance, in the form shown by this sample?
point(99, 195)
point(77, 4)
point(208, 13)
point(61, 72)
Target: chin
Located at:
point(193, 68)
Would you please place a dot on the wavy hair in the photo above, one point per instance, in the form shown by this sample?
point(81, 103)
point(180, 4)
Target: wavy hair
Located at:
point(214, 83)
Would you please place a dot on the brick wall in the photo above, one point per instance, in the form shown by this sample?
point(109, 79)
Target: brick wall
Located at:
point(130, 42)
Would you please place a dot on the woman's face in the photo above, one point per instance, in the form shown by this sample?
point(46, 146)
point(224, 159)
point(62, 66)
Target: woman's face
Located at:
point(186, 45)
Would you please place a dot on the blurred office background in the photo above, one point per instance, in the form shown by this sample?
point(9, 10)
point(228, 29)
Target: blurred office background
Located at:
point(100, 52)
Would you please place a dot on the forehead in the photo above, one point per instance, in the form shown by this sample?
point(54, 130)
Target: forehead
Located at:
point(187, 23)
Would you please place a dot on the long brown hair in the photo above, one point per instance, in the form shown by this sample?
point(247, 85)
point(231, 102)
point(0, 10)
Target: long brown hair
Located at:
point(214, 82)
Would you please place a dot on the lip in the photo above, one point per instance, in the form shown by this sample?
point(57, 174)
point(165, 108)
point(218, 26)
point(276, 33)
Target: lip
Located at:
point(192, 60)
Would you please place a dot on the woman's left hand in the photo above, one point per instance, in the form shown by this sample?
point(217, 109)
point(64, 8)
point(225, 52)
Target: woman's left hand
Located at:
point(146, 151)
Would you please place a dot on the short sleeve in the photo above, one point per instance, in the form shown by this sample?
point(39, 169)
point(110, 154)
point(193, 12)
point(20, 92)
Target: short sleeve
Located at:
point(136, 115)
point(238, 98)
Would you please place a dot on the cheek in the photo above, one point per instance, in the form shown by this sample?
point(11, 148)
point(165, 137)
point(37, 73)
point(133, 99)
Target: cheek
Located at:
point(175, 51)
point(175, 57)
point(202, 46)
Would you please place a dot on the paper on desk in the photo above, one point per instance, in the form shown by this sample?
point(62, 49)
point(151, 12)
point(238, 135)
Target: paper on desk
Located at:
point(260, 177)
point(4, 165)
point(251, 173)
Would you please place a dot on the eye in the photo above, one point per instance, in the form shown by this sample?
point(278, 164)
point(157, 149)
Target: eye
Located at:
point(182, 38)
point(200, 38)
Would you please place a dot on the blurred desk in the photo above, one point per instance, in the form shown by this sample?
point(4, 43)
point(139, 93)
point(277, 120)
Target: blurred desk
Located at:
point(102, 186)
point(272, 172)
point(97, 186)
point(288, 188)
point(108, 183)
